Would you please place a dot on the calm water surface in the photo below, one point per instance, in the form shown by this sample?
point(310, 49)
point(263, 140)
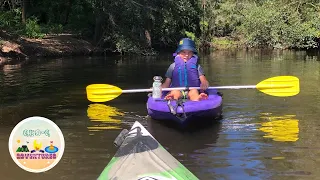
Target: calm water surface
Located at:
point(259, 136)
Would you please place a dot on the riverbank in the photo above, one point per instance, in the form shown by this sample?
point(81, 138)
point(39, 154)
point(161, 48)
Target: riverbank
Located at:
point(15, 49)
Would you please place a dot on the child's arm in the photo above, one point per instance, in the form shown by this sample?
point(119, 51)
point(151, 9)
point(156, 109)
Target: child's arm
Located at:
point(166, 83)
point(204, 82)
point(168, 76)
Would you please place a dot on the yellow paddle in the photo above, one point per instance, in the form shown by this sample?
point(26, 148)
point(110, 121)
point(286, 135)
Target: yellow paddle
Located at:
point(280, 86)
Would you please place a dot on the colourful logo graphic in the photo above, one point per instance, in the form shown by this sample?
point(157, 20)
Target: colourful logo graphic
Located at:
point(36, 144)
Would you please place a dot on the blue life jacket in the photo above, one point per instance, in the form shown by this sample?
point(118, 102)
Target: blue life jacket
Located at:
point(185, 74)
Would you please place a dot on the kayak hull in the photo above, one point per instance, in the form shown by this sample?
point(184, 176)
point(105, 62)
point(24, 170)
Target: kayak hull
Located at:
point(192, 111)
point(141, 156)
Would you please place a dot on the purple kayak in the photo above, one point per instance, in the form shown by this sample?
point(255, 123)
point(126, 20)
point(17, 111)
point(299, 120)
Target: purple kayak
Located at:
point(185, 112)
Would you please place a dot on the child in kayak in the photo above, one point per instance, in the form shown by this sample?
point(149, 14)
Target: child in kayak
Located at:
point(186, 72)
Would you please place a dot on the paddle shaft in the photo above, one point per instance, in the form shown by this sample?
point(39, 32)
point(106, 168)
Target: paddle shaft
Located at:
point(184, 88)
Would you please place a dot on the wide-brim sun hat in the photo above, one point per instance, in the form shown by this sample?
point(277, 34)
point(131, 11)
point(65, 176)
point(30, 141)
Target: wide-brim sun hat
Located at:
point(186, 44)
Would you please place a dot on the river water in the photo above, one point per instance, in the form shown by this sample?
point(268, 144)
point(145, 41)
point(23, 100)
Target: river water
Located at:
point(259, 136)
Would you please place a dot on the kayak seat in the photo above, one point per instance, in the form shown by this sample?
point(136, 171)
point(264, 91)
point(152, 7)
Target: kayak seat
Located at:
point(120, 138)
point(134, 142)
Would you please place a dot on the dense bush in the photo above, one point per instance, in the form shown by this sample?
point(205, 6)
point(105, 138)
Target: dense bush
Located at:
point(142, 25)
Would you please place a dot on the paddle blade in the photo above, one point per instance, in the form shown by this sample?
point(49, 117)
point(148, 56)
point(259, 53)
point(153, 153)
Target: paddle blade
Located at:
point(280, 86)
point(102, 92)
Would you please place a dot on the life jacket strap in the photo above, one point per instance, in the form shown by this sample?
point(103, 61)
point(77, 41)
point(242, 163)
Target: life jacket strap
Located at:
point(173, 110)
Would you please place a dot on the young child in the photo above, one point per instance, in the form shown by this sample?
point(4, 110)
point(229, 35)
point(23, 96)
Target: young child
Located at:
point(185, 72)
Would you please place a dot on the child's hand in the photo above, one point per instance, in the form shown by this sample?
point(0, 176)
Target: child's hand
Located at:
point(168, 97)
point(204, 85)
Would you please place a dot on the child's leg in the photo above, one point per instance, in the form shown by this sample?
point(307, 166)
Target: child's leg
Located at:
point(195, 96)
point(175, 94)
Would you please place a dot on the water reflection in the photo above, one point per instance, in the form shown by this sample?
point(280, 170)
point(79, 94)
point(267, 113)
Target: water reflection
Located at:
point(280, 128)
point(184, 142)
point(103, 117)
point(11, 75)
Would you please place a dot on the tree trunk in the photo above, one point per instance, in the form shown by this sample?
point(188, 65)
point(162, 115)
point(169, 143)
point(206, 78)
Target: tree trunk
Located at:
point(97, 29)
point(68, 10)
point(147, 32)
point(13, 4)
point(148, 38)
point(24, 8)
point(98, 23)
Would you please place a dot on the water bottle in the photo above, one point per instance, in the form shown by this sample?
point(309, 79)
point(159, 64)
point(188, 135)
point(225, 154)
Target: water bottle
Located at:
point(156, 87)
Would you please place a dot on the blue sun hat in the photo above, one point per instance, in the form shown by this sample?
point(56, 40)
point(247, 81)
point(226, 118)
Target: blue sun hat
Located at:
point(186, 44)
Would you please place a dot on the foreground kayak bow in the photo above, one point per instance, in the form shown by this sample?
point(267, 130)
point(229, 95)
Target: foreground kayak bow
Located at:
point(141, 156)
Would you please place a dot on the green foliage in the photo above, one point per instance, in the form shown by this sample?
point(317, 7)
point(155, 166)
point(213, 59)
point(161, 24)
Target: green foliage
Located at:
point(190, 35)
point(10, 19)
point(124, 44)
point(278, 26)
point(204, 25)
point(220, 18)
point(257, 25)
point(260, 23)
point(141, 25)
point(194, 38)
point(223, 41)
point(32, 28)
point(52, 29)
